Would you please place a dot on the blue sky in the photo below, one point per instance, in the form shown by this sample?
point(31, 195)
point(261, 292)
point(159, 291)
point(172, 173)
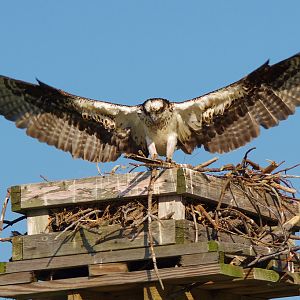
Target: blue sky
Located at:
point(128, 51)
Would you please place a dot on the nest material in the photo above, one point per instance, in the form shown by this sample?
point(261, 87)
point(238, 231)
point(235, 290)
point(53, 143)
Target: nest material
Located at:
point(127, 214)
point(247, 176)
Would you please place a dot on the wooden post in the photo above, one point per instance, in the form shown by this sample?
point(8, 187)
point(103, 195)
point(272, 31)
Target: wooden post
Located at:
point(168, 205)
point(75, 296)
point(151, 293)
point(37, 221)
point(154, 292)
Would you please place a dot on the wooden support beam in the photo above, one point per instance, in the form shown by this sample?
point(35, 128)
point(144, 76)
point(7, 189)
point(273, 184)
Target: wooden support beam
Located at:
point(76, 296)
point(152, 292)
point(182, 275)
point(2, 267)
point(136, 254)
point(15, 278)
point(17, 248)
point(37, 221)
point(172, 205)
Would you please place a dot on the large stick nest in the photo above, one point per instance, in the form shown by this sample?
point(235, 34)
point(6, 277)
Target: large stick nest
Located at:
point(247, 175)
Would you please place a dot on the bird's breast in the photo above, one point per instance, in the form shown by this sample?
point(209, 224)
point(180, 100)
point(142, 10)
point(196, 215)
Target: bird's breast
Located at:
point(160, 135)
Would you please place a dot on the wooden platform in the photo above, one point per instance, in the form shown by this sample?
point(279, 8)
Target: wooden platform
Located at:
point(115, 263)
point(198, 268)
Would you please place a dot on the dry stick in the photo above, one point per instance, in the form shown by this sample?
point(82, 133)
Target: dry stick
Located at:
point(271, 167)
point(195, 224)
point(8, 239)
point(268, 256)
point(4, 210)
point(283, 188)
point(69, 218)
point(10, 223)
point(224, 188)
point(150, 234)
point(207, 216)
point(76, 222)
point(44, 178)
point(287, 169)
point(294, 237)
point(205, 164)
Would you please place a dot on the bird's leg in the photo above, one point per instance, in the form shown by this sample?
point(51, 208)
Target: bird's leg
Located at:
point(151, 148)
point(171, 146)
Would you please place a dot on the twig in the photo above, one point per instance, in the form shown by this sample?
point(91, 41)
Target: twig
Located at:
point(44, 178)
point(8, 239)
point(4, 210)
point(195, 224)
point(76, 222)
point(271, 167)
point(207, 216)
point(205, 164)
point(283, 188)
point(287, 169)
point(150, 234)
point(10, 223)
point(98, 169)
point(263, 258)
point(294, 237)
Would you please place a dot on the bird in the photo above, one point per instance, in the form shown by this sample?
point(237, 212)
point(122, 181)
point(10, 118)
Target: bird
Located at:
point(100, 131)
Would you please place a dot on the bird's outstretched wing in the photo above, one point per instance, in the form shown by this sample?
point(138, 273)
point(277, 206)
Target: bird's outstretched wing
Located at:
point(231, 116)
point(93, 130)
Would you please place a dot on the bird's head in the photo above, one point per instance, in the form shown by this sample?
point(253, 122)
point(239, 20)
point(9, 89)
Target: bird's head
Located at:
point(157, 109)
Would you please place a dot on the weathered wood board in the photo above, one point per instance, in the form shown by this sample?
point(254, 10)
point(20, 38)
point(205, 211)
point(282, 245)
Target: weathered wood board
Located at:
point(110, 238)
point(136, 254)
point(81, 191)
point(184, 182)
point(102, 269)
point(207, 272)
point(15, 278)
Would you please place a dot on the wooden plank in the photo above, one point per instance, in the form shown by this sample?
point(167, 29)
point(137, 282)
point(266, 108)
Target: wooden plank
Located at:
point(37, 221)
point(184, 182)
point(3, 267)
point(109, 238)
point(256, 283)
point(15, 198)
point(186, 233)
point(200, 258)
point(134, 293)
point(171, 205)
point(263, 274)
point(15, 278)
point(17, 247)
point(67, 261)
point(92, 189)
point(101, 269)
point(182, 274)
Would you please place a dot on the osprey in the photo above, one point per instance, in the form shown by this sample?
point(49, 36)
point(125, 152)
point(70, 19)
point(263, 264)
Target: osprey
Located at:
point(100, 131)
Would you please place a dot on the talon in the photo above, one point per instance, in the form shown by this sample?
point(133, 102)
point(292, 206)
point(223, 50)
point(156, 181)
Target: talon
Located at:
point(154, 156)
point(141, 153)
